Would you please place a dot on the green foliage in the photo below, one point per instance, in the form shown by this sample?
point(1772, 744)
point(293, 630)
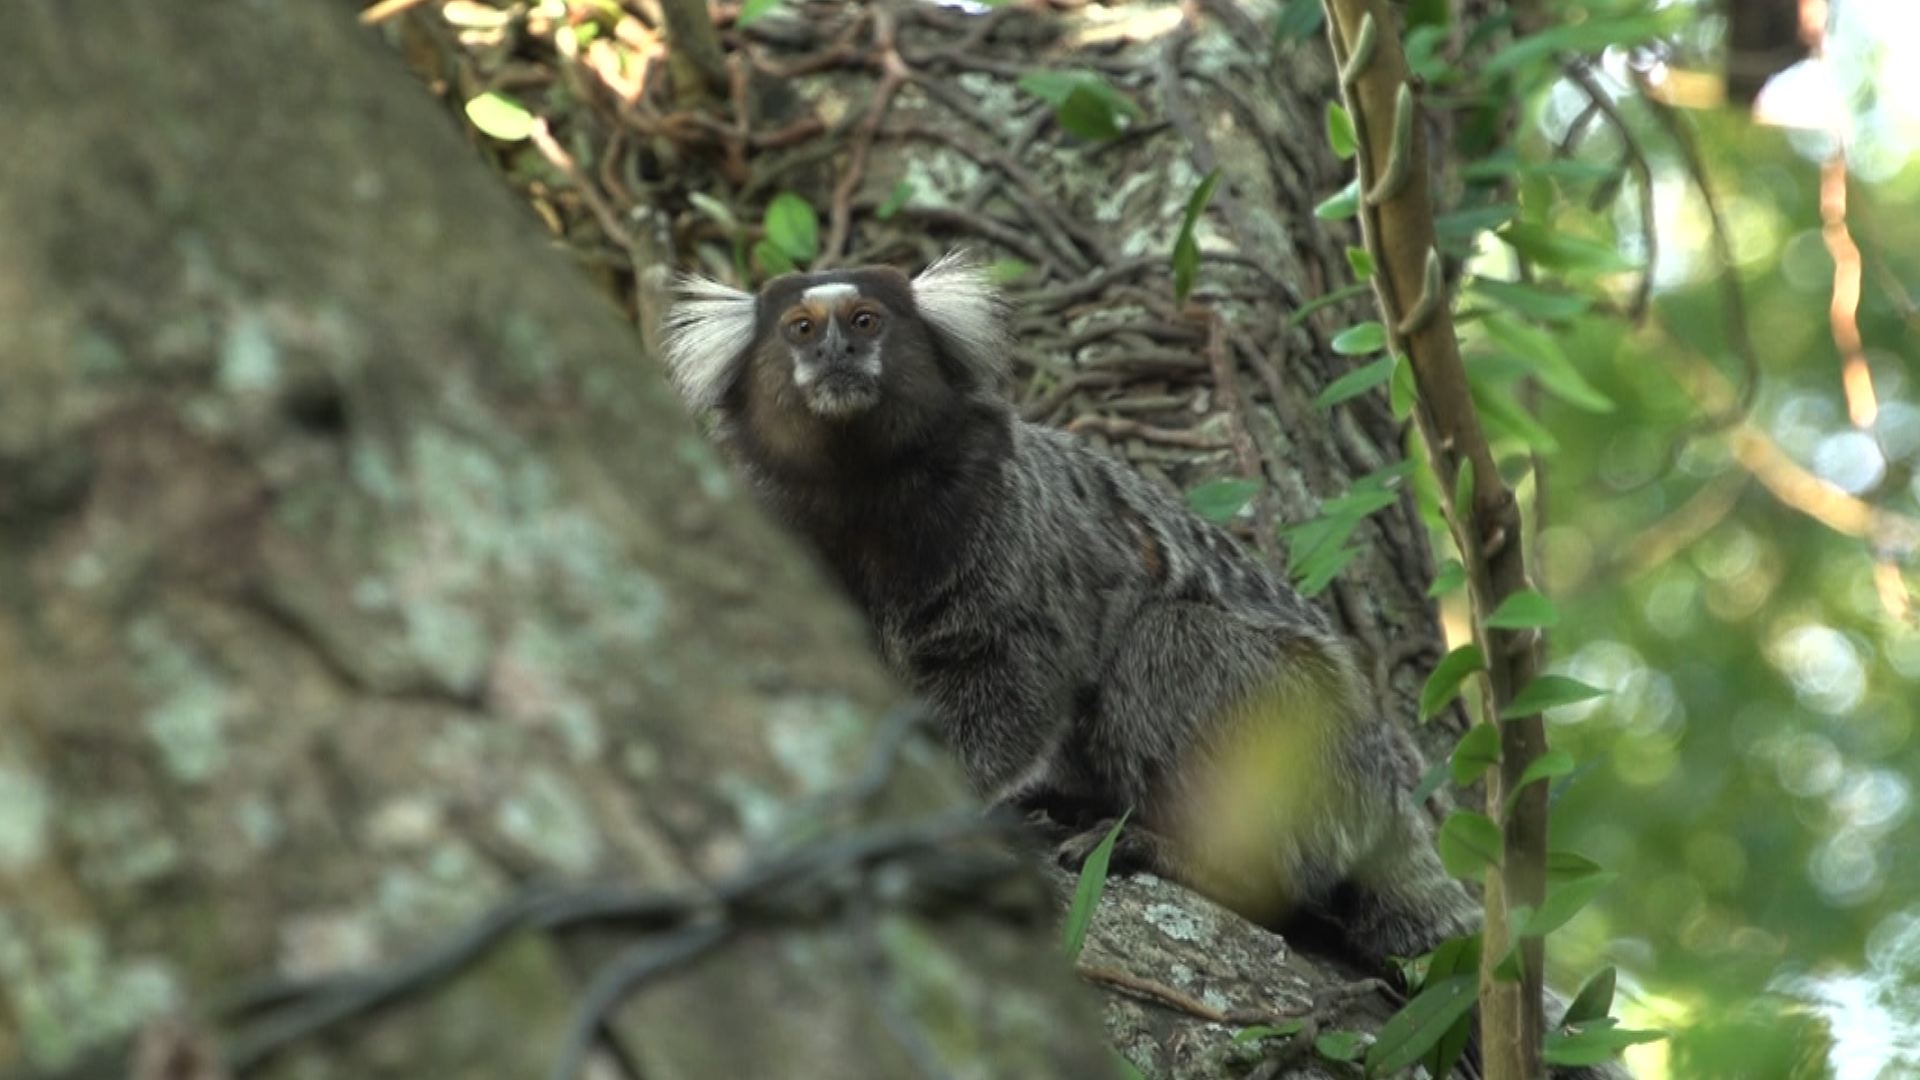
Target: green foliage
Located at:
point(792, 228)
point(1422, 1023)
point(1088, 890)
point(753, 11)
point(1595, 999)
point(1340, 133)
point(896, 200)
point(1355, 382)
point(1297, 20)
point(1084, 103)
point(1367, 337)
point(1186, 250)
point(1523, 610)
point(1546, 692)
point(500, 116)
point(1476, 752)
point(1469, 843)
point(1269, 1031)
point(1444, 684)
point(1340, 1045)
point(1340, 205)
point(1318, 548)
point(1220, 501)
point(1594, 1043)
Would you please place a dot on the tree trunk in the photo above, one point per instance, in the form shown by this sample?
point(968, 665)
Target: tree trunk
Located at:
point(358, 569)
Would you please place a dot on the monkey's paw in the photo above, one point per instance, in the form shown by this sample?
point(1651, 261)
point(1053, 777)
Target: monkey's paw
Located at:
point(1134, 849)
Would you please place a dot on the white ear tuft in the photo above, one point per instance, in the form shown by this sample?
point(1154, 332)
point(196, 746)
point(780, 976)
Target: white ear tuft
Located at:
point(958, 300)
point(704, 332)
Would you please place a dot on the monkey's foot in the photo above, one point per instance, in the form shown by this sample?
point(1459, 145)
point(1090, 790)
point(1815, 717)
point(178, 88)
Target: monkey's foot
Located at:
point(1134, 850)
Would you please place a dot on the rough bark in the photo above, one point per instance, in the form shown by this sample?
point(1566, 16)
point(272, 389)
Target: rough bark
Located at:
point(356, 569)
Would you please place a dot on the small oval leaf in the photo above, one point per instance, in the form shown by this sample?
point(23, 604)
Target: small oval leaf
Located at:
point(1546, 692)
point(1367, 337)
point(793, 227)
point(500, 117)
point(1447, 676)
point(1524, 610)
point(1469, 843)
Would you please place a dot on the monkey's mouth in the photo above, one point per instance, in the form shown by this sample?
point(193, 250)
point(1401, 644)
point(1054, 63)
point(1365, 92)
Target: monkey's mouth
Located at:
point(842, 395)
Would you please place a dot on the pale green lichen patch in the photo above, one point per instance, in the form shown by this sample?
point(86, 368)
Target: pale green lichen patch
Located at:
point(549, 822)
point(119, 842)
point(1175, 922)
point(816, 739)
point(67, 991)
point(191, 703)
point(249, 356)
point(25, 807)
point(450, 886)
point(760, 812)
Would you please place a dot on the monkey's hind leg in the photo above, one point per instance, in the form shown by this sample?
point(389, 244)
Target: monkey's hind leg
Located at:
point(1225, 733)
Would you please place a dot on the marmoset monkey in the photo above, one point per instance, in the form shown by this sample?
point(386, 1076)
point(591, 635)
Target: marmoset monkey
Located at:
point(1084, 642)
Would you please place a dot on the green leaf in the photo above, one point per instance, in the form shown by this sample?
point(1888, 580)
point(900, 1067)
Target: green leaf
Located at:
point(1522, 610)
point(1126, 1066)
point(1469, 843)
point(1220, 500)
point(1315, 578)
point(1547, 766)
point(1340, 134)
point(1423, 46)
point(1086, 894)
point(1566, 865)
point(1360, 262)
point(1368, 337)
point(1339, 1045)
point(1418, 1026)
point(772, 259)
point(500, 116)
point(1593, 1044)
point(1564, 902)
point(1269, 1031)
point(1186, 250)
point(1548, 362)
point(1449, 577)
point(1594, 1001)
point(1545, 693)
point(1444, 684)
point(1461, 226)
point(1341, 204)
point(1346, 292)
point(1403, 390)
point(1556, 250)
point(1297, 20)
point(1084, 103)
point(1504, 416)
point(1532, 302)
point(1463, 489)
point(1005, 271)
point(1591, 35)
point(1355, 382)
point(1476, 752)
point(793, 227)
point(753, 10)
point(1430, 783)
point(902, 191)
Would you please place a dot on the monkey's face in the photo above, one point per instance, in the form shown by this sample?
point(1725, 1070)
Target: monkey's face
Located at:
point(836, 339)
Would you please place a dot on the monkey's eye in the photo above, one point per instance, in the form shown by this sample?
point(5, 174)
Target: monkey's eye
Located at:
point(800, 328)
point(865, 321)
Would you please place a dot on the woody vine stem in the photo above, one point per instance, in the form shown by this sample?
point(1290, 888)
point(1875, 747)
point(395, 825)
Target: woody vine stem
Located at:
point(1396, 220)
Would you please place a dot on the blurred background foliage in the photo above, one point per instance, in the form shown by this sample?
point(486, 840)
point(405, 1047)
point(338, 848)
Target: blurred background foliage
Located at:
point(1743, 579)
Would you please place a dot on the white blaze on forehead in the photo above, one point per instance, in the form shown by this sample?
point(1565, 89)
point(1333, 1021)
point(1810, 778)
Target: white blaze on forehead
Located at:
point(831, 291)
